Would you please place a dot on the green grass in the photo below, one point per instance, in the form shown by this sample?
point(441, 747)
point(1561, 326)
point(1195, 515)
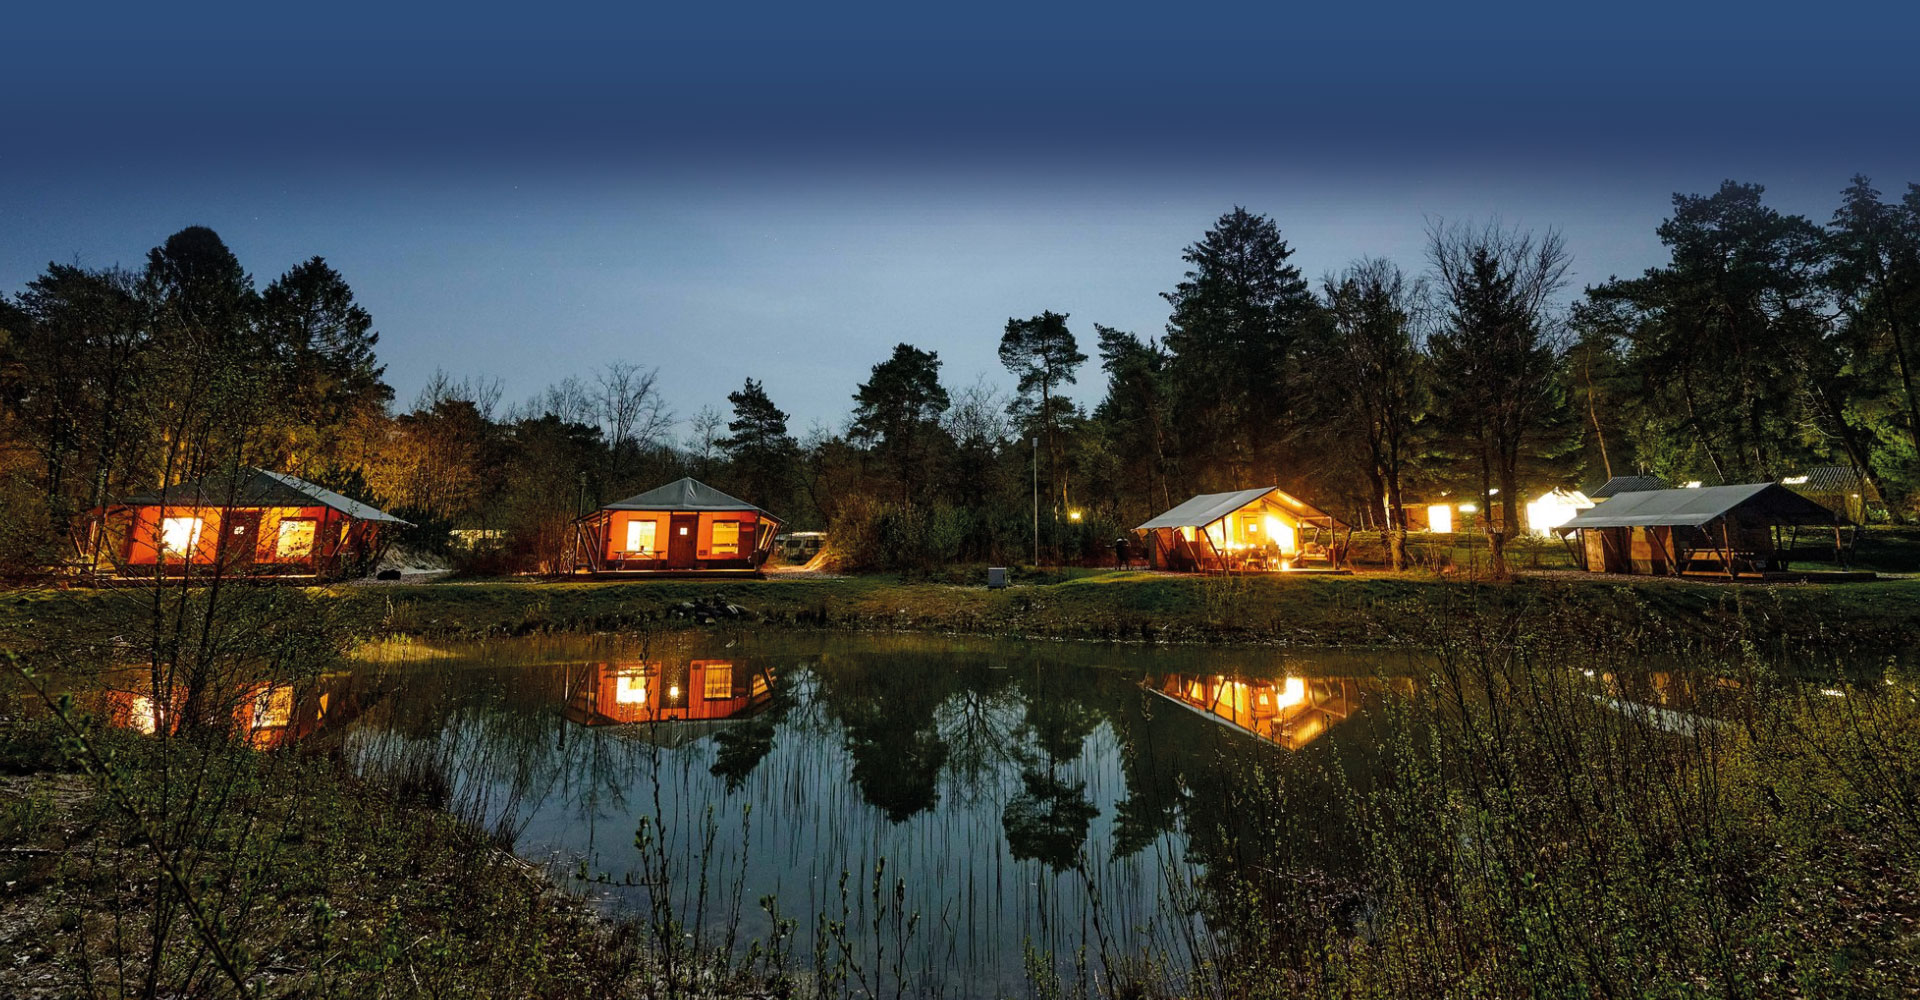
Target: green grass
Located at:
point(1652, 615)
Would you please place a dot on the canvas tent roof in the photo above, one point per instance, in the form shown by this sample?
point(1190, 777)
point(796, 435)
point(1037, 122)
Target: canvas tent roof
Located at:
point(1693, 508)
point(1626, 484)
point(1207, 508)
point(250, 487)
point(687, 494)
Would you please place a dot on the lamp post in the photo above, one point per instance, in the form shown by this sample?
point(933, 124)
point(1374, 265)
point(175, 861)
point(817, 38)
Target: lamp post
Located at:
point(1036, 502)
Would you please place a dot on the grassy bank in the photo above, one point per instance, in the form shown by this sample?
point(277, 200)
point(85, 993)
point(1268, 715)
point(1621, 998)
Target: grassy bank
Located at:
point(318, 883)
point(1370, 609)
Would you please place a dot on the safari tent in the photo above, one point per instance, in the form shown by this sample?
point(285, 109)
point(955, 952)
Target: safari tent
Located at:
point(682, 527)
point(1257, 530)
point(1750, 528)
point(251, 522)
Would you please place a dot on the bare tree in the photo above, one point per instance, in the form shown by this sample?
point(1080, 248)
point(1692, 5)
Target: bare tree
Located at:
point(704, 435)
point(1497, 349)
point(631, 410)
point(483, 393)
point(978, 416)
point(569, 399)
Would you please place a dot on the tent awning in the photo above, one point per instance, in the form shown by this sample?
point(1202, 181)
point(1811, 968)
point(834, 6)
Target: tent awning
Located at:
point(1693, 508)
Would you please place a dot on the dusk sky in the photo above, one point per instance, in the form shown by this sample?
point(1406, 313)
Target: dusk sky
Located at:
point(787, 199)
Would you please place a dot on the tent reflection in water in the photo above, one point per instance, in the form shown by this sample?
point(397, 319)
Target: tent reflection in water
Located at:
point(264, 714)
point(685, 526)
point(1288, 711)
point(676, 700)
point(1261, 529)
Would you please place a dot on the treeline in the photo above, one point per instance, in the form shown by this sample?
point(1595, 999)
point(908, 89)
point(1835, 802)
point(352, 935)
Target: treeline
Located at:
point(1765, 343)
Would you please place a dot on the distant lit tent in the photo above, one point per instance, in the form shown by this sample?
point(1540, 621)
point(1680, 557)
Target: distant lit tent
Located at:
point(1247, 530)
point(250, 522)
point(1839, 488)
point(1720, 529)
point(1554, 508)
point(683, 527)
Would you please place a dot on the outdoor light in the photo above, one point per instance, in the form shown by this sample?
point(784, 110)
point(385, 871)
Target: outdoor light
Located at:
point(1292, 693)
point(1468, 508)
point(1073, 515)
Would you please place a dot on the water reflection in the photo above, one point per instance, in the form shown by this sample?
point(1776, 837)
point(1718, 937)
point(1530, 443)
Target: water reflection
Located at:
point(656, 691)
point(1287, 711)
point(262, 714)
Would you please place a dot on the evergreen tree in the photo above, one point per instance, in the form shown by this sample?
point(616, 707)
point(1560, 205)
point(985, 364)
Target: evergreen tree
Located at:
point(1042, 354)
point(1373, 371)
point(1239, 320)
point(897, 413)
point(762, 451)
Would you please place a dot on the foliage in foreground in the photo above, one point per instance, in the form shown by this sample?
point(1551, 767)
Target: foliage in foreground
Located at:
point(1538, 840)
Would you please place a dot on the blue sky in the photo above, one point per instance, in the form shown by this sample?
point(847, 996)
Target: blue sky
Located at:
point(526, 196)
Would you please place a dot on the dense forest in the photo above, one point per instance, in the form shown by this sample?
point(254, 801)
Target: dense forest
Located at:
point(1764, 344)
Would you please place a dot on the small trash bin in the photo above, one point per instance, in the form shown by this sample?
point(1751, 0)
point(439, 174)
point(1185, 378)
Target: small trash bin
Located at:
point(996, 577)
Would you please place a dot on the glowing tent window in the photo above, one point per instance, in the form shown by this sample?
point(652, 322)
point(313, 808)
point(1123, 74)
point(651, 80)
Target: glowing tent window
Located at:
point(717, 685)
point(642, 536)
point(295, 539)
point(179, 535)
point(630, 688)
point(726, 538)
point(1440, 518)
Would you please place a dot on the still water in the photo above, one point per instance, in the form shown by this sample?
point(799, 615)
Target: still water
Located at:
point(1006, 800)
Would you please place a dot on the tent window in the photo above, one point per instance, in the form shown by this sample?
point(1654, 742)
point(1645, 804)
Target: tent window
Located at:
point(179, 535)
point(726, 538)
point(295, 538)
point(718, 682)
point(642, 536)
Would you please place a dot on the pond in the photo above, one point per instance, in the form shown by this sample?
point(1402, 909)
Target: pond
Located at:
point(941, 815)
point(933, 814)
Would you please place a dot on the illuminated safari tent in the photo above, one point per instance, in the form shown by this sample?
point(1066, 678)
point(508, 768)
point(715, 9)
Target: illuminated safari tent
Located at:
point(693, 695)
point(1261, 529)
point(248, 523)
point(1715, 529)
point(684, 526)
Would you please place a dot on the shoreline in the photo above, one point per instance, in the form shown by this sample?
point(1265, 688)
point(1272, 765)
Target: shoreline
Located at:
point(1366, 610)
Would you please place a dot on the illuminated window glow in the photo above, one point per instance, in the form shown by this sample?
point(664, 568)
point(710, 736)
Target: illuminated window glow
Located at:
point(726, 538)
point(273, 707)
point(295, 538)
point(1440, 518)
point(630, 689)
point(642, 536)
point(718, 682)
point(179, 535)
point(1292, 693)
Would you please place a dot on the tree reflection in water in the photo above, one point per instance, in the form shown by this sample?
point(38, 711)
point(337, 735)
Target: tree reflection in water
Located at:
point(1043, 796)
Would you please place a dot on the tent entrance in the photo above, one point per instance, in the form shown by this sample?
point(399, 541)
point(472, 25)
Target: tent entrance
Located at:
point(682, 538)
